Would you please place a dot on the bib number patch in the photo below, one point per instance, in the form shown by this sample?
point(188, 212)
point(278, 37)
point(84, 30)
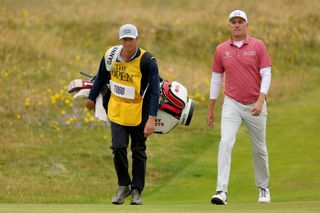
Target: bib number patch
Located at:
point(121, 90)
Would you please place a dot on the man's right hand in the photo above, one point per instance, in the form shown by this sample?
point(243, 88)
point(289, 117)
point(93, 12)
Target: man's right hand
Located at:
point(90, 104)
point(210, 119)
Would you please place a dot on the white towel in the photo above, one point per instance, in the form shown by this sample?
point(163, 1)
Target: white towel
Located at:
point(100, 112)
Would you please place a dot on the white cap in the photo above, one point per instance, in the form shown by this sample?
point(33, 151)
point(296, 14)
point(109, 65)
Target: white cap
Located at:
point(238, 13)
point(128, 31)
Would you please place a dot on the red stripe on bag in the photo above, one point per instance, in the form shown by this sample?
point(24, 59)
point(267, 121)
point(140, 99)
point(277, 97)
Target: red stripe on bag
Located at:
point(168, 108)
point(171, 97)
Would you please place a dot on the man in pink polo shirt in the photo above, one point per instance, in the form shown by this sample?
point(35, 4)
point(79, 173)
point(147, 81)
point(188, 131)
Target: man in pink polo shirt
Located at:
point(246, 66)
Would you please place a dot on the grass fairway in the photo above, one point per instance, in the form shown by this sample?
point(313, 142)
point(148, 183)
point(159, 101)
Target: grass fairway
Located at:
point(289, 207)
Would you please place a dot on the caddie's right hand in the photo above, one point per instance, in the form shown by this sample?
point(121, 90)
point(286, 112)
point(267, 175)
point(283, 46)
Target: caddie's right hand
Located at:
point(90, 104)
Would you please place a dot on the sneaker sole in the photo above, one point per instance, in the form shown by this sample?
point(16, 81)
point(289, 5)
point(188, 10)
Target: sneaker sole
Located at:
point(217, 201)
point(264, 202)
point(136, 203)
point(116, 203)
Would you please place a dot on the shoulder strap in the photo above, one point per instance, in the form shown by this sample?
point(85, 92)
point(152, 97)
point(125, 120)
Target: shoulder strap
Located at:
point(111, 56)
point(145, 59)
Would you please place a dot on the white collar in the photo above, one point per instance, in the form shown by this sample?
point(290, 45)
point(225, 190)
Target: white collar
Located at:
point(238, 43)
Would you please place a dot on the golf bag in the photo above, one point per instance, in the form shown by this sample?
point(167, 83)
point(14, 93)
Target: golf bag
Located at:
point(175, 107)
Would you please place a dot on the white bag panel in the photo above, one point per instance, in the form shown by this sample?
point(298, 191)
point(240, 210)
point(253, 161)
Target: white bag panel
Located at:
point(165, 122)
point(179, 91)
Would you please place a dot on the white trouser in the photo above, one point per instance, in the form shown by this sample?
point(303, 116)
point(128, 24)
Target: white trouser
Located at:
point(232, 115)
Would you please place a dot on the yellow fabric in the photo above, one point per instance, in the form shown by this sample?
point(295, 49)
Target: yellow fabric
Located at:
point(124, 111)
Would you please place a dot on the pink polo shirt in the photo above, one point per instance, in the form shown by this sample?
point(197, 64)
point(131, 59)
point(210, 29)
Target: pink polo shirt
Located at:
point(242, 68)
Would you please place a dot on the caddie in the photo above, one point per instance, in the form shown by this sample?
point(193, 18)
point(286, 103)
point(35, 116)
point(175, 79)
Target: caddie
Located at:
point(133, 76)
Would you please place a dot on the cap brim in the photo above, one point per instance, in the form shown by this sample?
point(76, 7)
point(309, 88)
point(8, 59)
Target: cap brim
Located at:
point(128, 36)
point(237, 17)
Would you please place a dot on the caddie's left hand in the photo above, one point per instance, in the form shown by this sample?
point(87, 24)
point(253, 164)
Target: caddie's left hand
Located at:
point(150, 126)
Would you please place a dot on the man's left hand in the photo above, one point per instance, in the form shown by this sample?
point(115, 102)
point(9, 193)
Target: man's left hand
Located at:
point(256, 110)
point(150, 126)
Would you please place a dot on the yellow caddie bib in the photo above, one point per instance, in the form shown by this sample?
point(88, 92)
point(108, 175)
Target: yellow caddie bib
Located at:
point(125, 104)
